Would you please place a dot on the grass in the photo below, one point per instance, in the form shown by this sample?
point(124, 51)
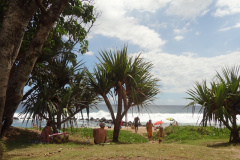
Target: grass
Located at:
point(193, 134)
point(185, 142)
point(124, 136)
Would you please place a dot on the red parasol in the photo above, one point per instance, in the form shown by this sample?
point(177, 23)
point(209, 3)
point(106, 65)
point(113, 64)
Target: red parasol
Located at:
point(158, 122)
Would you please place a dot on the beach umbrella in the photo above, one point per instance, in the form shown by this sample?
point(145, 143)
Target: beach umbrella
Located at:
point(158, 122)
point(170, 119)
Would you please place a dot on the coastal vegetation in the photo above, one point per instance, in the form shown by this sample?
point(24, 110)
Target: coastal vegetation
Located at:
point(182, 142)
point(127, 80)
point(59, 92)
point(220, 100)
point(31, 32)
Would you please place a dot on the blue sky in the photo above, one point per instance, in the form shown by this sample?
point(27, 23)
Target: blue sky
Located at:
point(186, 40)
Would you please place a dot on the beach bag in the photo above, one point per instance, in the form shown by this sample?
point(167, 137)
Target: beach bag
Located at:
point(60, 137)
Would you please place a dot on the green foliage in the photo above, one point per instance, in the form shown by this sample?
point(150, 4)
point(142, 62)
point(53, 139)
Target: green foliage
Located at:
point(219, 100)
point(186, 133)
point(125, 79)
point(124, 136)
point(71, 28)
point(60, 91)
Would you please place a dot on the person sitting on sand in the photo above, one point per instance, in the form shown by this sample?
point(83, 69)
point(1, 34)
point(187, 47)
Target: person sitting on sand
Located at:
point(100, 135)
point(149, 126)
point(46, 132)
point(160, 134)
point(136, 123)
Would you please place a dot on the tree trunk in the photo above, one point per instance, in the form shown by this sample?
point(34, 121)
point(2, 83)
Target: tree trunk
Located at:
point(234, 137)
point(59, 121)
point(119, 113)
point(21, 72)
point(116, 130)
point(15, 21)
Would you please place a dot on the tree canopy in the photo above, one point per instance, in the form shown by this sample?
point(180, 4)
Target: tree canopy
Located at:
point(220, 100)
point(125, 79)
point(60, 92)
point(34, 28)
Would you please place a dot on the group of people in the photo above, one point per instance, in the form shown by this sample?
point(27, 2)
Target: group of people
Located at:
point(149, 128)
point(99, 135)
point(47, 135)
point(160, 131)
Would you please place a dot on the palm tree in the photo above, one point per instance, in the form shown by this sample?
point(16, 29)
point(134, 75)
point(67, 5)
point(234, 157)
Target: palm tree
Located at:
point(126, 80)
point(61, 91)
point(221, 101)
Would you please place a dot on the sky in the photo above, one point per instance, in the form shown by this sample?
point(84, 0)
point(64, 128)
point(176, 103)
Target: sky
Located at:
point(186, 40)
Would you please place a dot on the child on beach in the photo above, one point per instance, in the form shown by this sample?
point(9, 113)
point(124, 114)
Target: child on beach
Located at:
point(160, 134)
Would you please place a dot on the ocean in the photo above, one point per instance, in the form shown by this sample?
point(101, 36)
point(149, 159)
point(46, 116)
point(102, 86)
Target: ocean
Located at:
point(184, 116)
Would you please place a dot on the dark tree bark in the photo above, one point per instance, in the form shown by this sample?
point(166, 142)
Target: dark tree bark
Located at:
point(234, 137)
point(15, 21)
point(12, 85)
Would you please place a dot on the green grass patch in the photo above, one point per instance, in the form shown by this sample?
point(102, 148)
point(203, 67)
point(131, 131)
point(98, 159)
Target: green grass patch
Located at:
point(188, 142)
point(185, 134)
point(124, 136)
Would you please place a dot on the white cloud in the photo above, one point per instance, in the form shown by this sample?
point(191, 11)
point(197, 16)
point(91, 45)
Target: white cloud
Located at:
point(189, 54)
point(231, 27)
point(178, 38)
point(188, 9)
point(158, 25)
point(227, 7)
point(145, 5)
point(181, 31)
point(114, 22)
point(179, 72)
point(89, 53)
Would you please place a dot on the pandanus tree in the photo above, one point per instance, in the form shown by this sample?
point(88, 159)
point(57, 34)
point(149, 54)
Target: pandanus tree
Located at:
point(125, 79)
point(220, 102)
point(60, 92)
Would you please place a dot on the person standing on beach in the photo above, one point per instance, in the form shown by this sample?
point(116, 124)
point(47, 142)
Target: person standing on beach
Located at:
point(149, 127)
point(160, 134)
point(136, 123)
point(100, 135)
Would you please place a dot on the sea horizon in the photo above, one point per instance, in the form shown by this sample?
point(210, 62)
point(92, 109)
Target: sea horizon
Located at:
point(184, 116)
